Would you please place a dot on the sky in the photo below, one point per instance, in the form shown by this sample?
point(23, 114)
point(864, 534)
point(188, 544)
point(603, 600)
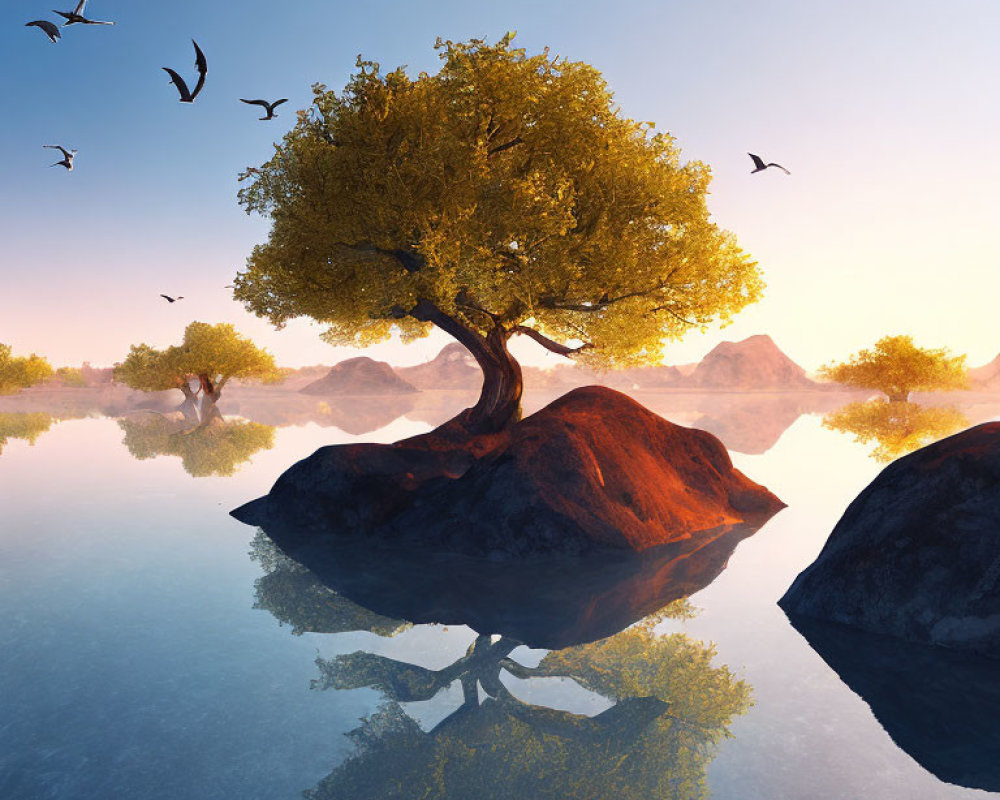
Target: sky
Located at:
point(886, 113)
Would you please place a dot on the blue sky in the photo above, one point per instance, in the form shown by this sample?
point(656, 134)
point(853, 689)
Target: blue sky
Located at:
point(885, 112)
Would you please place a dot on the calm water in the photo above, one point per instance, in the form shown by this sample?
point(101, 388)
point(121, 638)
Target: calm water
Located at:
point(144, 653)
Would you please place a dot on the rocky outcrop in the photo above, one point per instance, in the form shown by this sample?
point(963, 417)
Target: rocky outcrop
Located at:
point(987, 377)
point(592, 470)
point(917, 554)
point(754, 364)
point(360, 376)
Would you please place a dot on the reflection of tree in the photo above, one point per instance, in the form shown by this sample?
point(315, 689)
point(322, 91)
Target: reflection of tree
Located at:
point(895, 427)
point(217, 448)
point(671, 707)
point(297, 598)
point(23, 426)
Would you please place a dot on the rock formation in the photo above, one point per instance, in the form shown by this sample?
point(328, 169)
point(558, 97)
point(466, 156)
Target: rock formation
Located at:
point(917, 554)
point(359, 376)
point(754, 364)
point(592, 470)
point(452, 368)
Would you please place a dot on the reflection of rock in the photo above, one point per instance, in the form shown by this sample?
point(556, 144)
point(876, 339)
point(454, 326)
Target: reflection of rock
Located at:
point(940, 706)
point(359, 376)
point(354, 415)
point(551, 601)
point(452, 368)
point(917, 554)
point(594, 469)
point(296, 597)
point(218, 448)
point(896, 427)
point(753, 364)
point(23, 426)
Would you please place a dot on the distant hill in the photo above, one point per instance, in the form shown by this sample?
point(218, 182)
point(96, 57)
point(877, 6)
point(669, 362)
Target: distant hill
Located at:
point(754, 364)
point(452, 368)
point(360, 376)
point(986, 377)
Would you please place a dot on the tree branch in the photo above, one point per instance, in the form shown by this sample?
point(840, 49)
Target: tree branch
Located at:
point(408, 259)
point(550, 344)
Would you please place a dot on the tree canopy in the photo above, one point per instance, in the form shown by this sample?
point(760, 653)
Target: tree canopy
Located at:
point(505, 195)
point(896, 367)
point(210, 354)
point(20, 372)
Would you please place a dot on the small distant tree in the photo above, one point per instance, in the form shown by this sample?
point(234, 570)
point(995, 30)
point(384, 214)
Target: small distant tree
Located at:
point(20, 372)
point(208, 357)
point(896, 367)
point(506, 195)
point(70, 376)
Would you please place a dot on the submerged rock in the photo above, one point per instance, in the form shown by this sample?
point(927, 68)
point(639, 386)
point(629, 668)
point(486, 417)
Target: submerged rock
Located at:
point(917, 554)
point(592, 470)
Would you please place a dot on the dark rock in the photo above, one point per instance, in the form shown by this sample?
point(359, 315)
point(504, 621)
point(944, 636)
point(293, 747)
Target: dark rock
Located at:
point(360, 376)
point(941, 706)
point(592, 470)
point(917, 554)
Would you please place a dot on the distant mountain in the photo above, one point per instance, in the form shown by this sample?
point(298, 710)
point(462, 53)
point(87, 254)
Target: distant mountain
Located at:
point(754, 364)
point(986, 377)
point(360, 376)
point(452, 368)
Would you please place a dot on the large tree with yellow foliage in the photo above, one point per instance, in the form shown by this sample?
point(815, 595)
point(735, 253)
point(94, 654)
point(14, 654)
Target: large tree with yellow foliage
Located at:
point(505, 195)
point(896, 367)
point(212, 355)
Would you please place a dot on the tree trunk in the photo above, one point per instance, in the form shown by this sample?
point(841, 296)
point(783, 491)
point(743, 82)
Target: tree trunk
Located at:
point(499, 403)
point(189, 408)
point(210, 394)
point(898, 397)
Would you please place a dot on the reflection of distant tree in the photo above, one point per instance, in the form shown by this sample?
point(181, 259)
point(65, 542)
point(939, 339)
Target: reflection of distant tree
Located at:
point(895, 427)
point(671, 708)
point(217, 448)
point(23, 426)
point(297, 598)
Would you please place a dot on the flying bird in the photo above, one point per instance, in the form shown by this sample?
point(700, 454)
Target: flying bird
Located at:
point(759, 165)
point(199, 64)
point(170, 299)
point(67, 159)
point(49, 28)
point(264, 104)
point(76, 15)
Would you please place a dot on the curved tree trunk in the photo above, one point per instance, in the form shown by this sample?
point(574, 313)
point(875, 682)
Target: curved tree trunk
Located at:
point(210, 394)
point(499, 403)
point(898, 397)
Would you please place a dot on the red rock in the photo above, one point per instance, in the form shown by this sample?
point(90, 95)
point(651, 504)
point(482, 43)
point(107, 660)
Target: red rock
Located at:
point(594, 469)
point(360, 376)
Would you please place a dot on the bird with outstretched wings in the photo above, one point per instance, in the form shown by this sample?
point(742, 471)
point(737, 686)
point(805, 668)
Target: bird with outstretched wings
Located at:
point(760, 166)
point(266, 105)
point(76, 16)
point(201, 65)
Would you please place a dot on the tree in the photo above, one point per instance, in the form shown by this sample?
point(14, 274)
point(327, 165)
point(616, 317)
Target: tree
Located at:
point(209, 354)
point(21, 372)
point(897, 367)
point(505, 195)
point(71, 377)
point(896, 428)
